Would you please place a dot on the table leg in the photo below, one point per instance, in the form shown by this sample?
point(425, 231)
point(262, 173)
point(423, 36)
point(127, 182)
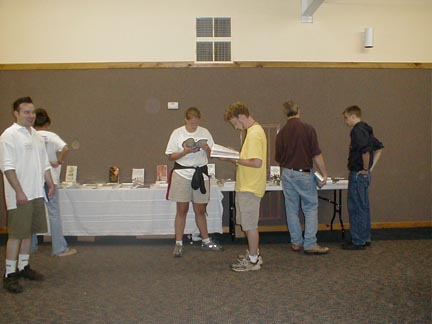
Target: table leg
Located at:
point(231, 202)
point(337, 209)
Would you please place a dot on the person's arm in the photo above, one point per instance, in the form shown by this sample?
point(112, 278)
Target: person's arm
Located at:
point(21, 197)
point(50, 183)
point(252, 163)
point(178, 155)
point(366, 159)
point(319, 162)
point(60, 157)
point(376, 156)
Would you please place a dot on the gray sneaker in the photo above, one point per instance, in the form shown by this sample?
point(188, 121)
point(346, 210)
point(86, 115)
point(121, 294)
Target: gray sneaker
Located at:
point(178, 250)
point(245, 265)
point(211, 246)
point(241, 257)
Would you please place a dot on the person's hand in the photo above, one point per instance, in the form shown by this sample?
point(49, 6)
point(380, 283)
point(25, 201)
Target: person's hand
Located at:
point(55, 164)
point(205, 147)
point(190, 149)
point(51, 191)
point(321, 184)
point(363, 172)
point(21, 198)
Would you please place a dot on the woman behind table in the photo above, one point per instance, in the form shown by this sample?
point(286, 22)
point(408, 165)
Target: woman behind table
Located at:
point(57, 151)
point(189, 179)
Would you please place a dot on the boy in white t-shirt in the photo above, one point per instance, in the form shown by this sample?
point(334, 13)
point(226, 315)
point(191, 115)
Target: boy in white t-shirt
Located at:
point(189, 147)
point(57, 151)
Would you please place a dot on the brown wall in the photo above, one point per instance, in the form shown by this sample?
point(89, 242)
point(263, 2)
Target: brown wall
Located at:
point(119, 117)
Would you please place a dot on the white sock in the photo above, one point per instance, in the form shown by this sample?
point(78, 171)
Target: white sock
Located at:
point(253, 258)
point(207, 240)
point(23, 260)
point(10, 267)
point(179, 242)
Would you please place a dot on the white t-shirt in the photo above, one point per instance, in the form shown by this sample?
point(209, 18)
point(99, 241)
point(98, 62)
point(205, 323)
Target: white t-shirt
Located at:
point(197, 159)
point(53, 144)
point(24, 152)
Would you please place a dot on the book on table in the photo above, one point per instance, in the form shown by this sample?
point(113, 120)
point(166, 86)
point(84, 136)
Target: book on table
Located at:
point(220, 151)
point(138, 176)
point(71, 173)
point(113, 174)
point(161, 172)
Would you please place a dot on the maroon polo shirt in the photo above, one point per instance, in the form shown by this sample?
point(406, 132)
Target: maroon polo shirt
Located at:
point(296, 145)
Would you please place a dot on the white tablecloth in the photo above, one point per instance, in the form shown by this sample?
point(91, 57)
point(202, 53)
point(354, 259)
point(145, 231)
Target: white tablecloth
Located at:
point(140, 211)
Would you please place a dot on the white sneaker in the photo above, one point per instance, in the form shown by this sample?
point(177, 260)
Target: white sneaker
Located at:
point(245, 265)
point(178, 249)
point(68, 251)
point(241, 257)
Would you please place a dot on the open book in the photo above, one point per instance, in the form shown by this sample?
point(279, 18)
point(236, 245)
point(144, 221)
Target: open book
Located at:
point(190, 142)
point(220, 151)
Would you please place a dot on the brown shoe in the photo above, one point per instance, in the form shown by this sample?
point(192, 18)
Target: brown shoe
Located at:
point(317, 250)
point(296, 248)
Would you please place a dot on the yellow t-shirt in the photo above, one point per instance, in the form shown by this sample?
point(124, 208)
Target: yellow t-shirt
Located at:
point(250, 179)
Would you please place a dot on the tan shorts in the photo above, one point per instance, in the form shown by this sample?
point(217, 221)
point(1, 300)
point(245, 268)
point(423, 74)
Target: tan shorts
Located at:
point(181, 191)
point(27, 219)
point(247, 210)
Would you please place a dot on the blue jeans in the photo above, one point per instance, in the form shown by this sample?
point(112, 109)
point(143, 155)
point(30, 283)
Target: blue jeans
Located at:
point(359, 208)
point(59, 243)
point(300, 187)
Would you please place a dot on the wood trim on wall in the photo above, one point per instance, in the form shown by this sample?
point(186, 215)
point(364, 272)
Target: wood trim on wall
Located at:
point(152, 65)
point(321, 227)
point(336, 226)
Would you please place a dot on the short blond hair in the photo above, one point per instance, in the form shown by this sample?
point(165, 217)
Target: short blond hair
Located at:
point(236, 109)
point(192, 112)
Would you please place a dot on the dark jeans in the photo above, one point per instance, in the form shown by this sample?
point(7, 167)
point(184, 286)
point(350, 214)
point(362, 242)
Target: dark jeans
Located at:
point(358, 207)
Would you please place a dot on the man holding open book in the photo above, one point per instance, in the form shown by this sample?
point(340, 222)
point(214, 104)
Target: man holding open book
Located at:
point(250, 182)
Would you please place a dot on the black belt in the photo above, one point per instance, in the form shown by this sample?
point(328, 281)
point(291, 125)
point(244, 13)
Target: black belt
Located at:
point(302, 170)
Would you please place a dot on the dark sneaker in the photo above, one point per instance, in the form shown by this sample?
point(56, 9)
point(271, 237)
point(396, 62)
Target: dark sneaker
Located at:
point(30, 274)
point(211, 246)
point(11, 283)
point(353, 247)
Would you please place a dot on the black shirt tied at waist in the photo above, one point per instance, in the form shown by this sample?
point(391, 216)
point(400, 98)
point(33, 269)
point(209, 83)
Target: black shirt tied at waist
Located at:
point(197, 178)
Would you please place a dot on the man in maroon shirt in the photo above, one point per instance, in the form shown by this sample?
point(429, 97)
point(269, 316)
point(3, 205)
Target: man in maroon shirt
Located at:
point(296, 151)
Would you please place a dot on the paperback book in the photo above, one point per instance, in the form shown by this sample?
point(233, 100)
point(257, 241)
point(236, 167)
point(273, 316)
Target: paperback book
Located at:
point(71, 173)
point(138, 176)
point(113, 175)
point(198, 144)
point(161, 172)
point(211, 170)
point(220, 151)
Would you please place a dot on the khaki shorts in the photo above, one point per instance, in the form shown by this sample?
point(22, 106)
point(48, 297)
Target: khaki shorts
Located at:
point(181, 190)
point(247, 210)
point(27, 219)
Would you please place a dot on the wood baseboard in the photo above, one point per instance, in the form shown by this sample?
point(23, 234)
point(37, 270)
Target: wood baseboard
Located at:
point(283, 228)
point(336, 226)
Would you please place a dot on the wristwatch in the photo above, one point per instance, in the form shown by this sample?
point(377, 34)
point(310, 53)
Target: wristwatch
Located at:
point(365, 169)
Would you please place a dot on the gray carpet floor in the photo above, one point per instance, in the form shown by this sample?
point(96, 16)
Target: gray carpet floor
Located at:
point(138, 281)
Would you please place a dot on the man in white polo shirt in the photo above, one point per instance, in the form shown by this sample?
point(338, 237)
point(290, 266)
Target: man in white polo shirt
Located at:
point(25, 167)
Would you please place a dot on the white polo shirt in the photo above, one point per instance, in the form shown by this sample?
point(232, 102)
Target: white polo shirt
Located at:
point(53, 144)
point(24, 152)
point(197, 159)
